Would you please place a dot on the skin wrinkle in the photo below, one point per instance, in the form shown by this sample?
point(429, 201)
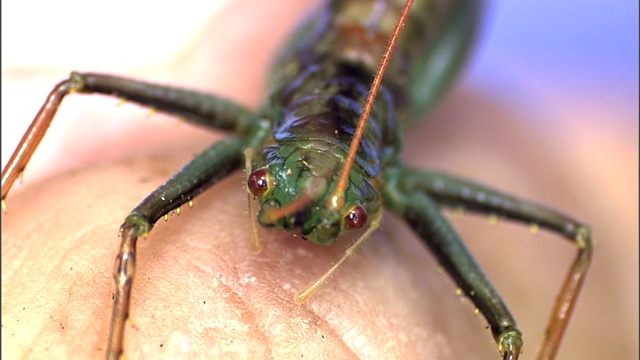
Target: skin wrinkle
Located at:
point(248, 314)
point(326, 328)
point(59, 317)
point(265, 319)
point(229, 294)
point(231, 286)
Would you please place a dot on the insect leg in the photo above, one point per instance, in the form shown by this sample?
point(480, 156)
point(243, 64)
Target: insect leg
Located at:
point(206, 169)
point(423, 214)
point(441, 189)
point(193, 106)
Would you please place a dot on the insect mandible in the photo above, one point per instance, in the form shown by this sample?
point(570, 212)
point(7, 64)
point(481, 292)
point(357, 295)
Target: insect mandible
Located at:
point(377, 174)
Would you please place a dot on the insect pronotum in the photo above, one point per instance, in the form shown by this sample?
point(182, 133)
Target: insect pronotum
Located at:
point(320, 88)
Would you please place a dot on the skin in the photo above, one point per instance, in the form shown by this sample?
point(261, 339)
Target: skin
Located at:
point(200, 291)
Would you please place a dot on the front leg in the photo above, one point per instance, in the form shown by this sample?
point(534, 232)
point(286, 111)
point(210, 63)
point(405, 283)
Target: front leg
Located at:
point(205, 170)
point(418, 194)
point(196, 107)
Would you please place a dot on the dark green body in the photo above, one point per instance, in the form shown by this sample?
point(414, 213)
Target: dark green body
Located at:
point(319, 86)
point(300, 136)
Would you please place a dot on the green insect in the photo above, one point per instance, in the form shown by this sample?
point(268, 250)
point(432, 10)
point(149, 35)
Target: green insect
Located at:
point(322, 152)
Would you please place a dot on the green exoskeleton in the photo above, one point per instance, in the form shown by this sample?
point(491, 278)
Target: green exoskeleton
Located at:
point(308, 174)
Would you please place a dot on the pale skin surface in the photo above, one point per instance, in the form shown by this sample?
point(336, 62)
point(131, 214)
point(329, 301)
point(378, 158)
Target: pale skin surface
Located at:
point(201, 292)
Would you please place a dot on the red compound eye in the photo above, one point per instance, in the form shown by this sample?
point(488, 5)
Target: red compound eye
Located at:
point(356, 218)
point(258, 182)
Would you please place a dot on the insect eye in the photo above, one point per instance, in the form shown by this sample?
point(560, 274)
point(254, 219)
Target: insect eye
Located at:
point(258, 182)
point(356, 217)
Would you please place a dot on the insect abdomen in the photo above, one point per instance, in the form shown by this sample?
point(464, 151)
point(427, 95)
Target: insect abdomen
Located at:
point(323, 77)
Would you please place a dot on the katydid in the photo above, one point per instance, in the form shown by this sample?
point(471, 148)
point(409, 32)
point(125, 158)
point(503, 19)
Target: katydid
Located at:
point(308, 174)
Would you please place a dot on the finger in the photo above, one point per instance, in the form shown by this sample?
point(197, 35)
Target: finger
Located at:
point(200, 290)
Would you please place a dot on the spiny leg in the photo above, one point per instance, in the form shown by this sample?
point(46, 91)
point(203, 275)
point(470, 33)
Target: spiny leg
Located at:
point(424, 215)
point(193, 106)
point(206, 169)
point(202, 172)
point(452, 191)
point(476, 197)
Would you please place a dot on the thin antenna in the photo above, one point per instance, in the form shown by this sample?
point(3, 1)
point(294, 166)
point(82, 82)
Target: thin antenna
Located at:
point(256, 242)
point(336, 200)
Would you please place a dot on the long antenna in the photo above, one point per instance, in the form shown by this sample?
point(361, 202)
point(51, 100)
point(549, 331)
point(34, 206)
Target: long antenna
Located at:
point(336, 200)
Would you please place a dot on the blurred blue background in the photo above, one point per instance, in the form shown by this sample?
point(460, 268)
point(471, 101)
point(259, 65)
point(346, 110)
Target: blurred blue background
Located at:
point(588, 43)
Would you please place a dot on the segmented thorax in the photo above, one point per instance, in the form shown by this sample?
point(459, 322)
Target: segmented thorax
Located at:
point(322, 82)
